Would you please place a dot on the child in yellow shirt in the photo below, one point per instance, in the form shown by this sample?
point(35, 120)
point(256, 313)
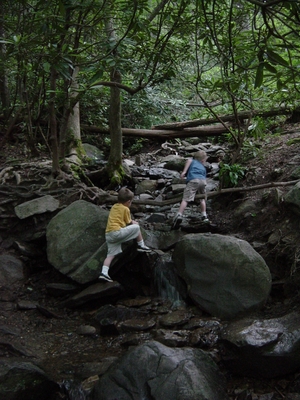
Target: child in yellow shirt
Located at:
point(119, 229)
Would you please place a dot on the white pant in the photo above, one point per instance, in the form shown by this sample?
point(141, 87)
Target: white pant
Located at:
point(115, 239)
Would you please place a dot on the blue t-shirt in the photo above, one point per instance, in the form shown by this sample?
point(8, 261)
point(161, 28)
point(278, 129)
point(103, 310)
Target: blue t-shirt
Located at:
point(196, 171)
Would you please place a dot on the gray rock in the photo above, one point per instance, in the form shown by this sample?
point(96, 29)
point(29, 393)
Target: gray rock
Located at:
point(109, 316)
point(146, 185)
point(178, 338)
point(161, 173)
point(24, 380)
point(263, 348)
point(136, 324)
point(11, 270)
point(94, 154)
point(86, 330)
point(94, 292)
point(225, 276)
point(154, 371)
point(74, 235)
point(244, 208)
point(36, 206)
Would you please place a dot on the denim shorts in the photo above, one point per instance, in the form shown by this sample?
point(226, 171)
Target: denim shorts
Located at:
point(192, 187)
point(115, 239)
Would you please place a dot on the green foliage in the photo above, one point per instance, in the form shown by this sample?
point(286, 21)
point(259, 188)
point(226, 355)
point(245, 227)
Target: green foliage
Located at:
point(178, 60)
point(249, 150)
point(230, 174)
point(133, 146)
point(259, 128)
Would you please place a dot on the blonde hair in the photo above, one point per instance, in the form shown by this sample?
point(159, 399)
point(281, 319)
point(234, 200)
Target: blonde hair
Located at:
point(200, 155)
point(124, 195)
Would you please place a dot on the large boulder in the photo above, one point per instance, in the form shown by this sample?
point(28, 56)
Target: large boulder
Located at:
point(24, 380)
point(73, 236)
point(153, 371)
point(262, 348)
point(225, 276)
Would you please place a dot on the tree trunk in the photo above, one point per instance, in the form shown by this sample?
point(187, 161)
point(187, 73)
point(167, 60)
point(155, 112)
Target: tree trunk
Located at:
point(114, 165)
point(71, 137)
point(53, 123)
point(4, 91)
point(115, 156)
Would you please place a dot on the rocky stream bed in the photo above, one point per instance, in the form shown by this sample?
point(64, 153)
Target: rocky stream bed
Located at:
point(74, 343)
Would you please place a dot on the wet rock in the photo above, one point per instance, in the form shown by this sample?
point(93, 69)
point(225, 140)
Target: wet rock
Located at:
point(135, 325)
point(263, 348)
point(137, 302)
point(109, 316)
point(154, 371)
point(204, 338)
point(178, 338)
point(176, 318)
point(135, 339)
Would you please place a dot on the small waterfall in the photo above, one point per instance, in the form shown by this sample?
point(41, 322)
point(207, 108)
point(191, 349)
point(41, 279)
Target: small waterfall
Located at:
point(167, 284)
point(73, 391)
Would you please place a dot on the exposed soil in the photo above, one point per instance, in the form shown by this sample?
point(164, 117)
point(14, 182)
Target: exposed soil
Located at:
point(50, 330)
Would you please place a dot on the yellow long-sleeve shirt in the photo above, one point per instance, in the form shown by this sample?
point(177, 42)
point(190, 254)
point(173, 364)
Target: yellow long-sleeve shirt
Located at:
point(118, 218)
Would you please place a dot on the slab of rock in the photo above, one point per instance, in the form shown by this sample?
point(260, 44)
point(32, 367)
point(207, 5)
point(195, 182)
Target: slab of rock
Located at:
point(36, 206)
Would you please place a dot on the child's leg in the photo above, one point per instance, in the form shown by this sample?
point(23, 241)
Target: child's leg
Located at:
point(108, 261)
point(141, 243)
point(203, 206)
point(105, 268)
point(182, 207)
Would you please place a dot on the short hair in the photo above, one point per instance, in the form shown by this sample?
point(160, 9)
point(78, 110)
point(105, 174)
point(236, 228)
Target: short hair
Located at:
point(124, 195)
point(200, 155)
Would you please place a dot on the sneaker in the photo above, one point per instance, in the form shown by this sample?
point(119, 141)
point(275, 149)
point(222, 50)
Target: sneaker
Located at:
point(144, 248)
point(105, 277)
point(204, 218)
point(176, 221)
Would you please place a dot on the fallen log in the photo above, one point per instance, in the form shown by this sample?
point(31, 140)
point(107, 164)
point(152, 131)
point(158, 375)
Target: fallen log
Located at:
point(215, 130)
point(105, 198)
point(225, 118)
point(177, 199)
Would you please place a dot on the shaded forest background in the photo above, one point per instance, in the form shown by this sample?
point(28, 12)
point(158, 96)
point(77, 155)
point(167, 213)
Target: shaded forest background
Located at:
point(88, 70)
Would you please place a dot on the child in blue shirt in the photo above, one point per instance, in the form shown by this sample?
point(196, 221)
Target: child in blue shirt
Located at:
point(195, 173)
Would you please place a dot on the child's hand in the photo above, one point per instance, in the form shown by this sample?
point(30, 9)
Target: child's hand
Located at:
point(134, 222)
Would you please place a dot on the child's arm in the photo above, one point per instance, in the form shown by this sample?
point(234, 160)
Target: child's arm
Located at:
point(186, 167)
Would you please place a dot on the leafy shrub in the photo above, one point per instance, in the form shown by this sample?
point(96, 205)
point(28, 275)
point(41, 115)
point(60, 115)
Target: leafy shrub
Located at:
point(230, 174)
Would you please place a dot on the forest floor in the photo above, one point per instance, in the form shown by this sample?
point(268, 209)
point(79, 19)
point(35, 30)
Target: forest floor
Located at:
point(275, 161)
